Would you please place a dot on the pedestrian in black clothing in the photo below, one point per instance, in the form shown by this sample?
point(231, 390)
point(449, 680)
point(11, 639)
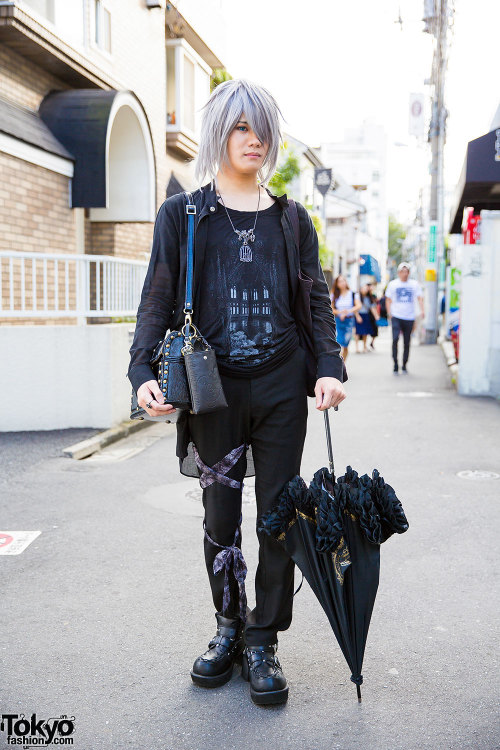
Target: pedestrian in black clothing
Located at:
point(382, 309)
point(245, 281)
point(374, 316)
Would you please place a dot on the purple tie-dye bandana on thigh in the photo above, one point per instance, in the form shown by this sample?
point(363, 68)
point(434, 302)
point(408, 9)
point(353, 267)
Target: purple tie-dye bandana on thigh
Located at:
point(216, 473)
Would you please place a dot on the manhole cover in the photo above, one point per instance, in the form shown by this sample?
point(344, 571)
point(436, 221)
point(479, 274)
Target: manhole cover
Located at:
point(475, 474)
point(414, 394)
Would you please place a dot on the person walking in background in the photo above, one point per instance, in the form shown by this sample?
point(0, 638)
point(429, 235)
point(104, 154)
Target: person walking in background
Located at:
point(374, 316)
point(382, 310)
point(345, 304)
point(401, 297)
point(363, 321)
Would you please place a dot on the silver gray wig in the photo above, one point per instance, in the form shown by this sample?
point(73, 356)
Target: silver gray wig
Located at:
point(220, 115)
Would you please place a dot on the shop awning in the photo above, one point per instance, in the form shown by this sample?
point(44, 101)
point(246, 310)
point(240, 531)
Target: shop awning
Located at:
point(109, 136)
point(368, 266)
point(79, 120)
point(479, 183)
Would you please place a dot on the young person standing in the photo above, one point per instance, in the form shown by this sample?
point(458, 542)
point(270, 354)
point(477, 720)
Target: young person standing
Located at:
point(402, 295)
point(245, 279)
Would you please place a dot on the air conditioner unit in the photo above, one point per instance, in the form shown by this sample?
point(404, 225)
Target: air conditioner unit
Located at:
point(155, 3)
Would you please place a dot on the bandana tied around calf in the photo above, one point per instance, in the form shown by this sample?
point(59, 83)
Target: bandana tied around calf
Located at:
point(231, 558)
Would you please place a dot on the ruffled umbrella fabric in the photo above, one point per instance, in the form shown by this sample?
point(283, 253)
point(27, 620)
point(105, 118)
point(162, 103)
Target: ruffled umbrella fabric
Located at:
point(333, 531)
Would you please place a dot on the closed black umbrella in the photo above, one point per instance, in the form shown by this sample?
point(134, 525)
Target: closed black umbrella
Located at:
point(333, 531)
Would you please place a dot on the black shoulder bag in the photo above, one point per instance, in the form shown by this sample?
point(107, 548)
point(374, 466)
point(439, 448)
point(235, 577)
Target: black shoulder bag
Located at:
point(183, 362)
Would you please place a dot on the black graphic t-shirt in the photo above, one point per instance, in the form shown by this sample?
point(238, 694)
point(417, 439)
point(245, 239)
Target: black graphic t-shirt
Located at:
point(245, 306)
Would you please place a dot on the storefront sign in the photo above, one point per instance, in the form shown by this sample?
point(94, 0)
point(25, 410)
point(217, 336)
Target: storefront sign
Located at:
point(431, 244)
point(472, 228)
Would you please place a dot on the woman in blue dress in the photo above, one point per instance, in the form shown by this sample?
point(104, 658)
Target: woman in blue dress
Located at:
point(345, 305)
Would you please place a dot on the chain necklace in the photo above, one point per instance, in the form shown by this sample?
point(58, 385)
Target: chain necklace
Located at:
point(244, 235)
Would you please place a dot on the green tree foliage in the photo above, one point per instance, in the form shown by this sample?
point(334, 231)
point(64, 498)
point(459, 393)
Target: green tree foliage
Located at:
point(286, 173)
point(396, 237)
point(218, 76)
point(325, 256)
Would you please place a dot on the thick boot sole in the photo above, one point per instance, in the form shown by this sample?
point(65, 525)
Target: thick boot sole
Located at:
point(261, 698)
point(211, 681)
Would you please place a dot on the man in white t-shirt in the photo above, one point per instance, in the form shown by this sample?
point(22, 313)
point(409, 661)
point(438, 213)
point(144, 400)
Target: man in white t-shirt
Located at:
point(401, 297)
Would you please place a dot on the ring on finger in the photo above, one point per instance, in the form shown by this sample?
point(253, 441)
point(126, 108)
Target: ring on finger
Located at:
point(149, 405)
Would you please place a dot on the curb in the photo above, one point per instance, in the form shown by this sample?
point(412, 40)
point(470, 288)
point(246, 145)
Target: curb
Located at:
point(451, 361)
point(86, 447)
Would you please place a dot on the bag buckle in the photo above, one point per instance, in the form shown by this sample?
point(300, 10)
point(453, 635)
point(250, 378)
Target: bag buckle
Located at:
point(190, 208)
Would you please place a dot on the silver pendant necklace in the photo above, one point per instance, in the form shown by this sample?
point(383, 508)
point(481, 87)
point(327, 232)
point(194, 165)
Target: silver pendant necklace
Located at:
point(244, 235)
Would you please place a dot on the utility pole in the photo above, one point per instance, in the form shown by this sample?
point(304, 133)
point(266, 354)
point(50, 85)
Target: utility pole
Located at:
point(436, 17)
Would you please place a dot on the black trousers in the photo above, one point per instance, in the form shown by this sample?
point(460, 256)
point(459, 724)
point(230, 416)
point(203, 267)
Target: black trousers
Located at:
point(270, 413)
point(401, 326)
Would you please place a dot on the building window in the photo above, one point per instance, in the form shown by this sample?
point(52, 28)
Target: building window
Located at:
point(44, 8)
point(189, 93)
point(102, 26)
point(188, 87)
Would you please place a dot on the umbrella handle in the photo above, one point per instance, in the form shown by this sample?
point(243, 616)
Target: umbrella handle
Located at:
point(329, 440)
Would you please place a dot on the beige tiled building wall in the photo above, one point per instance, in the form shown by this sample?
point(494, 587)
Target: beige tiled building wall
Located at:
point(35, 214)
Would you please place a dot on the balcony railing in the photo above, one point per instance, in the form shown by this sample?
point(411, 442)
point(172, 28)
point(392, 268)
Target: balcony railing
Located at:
point(43, 285)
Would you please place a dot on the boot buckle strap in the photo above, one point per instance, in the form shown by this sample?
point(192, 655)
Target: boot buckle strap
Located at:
point(222, 640)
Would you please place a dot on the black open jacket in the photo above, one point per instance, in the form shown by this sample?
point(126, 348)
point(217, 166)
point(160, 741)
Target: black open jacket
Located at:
point(162, 300)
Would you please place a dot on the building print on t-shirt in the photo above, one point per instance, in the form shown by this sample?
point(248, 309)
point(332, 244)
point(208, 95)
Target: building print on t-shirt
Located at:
point(250, 326)
point(245, 307)
point(248, 318)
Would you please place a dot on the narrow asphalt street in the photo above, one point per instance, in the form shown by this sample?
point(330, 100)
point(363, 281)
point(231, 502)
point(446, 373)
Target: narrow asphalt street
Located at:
point(105, 611)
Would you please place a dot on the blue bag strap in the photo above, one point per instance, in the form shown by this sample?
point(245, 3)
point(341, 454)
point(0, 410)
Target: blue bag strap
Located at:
point(191, 212)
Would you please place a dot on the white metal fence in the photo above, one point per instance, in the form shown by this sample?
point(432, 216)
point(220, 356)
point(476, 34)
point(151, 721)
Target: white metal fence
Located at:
point(43, 285)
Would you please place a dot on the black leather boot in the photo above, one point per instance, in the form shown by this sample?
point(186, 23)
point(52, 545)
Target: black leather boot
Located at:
point(215, 666)
point(261, 667)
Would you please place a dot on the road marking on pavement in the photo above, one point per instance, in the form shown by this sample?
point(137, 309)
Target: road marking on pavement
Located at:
point(477, 474)
point(415, 394)
point(15, 542)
